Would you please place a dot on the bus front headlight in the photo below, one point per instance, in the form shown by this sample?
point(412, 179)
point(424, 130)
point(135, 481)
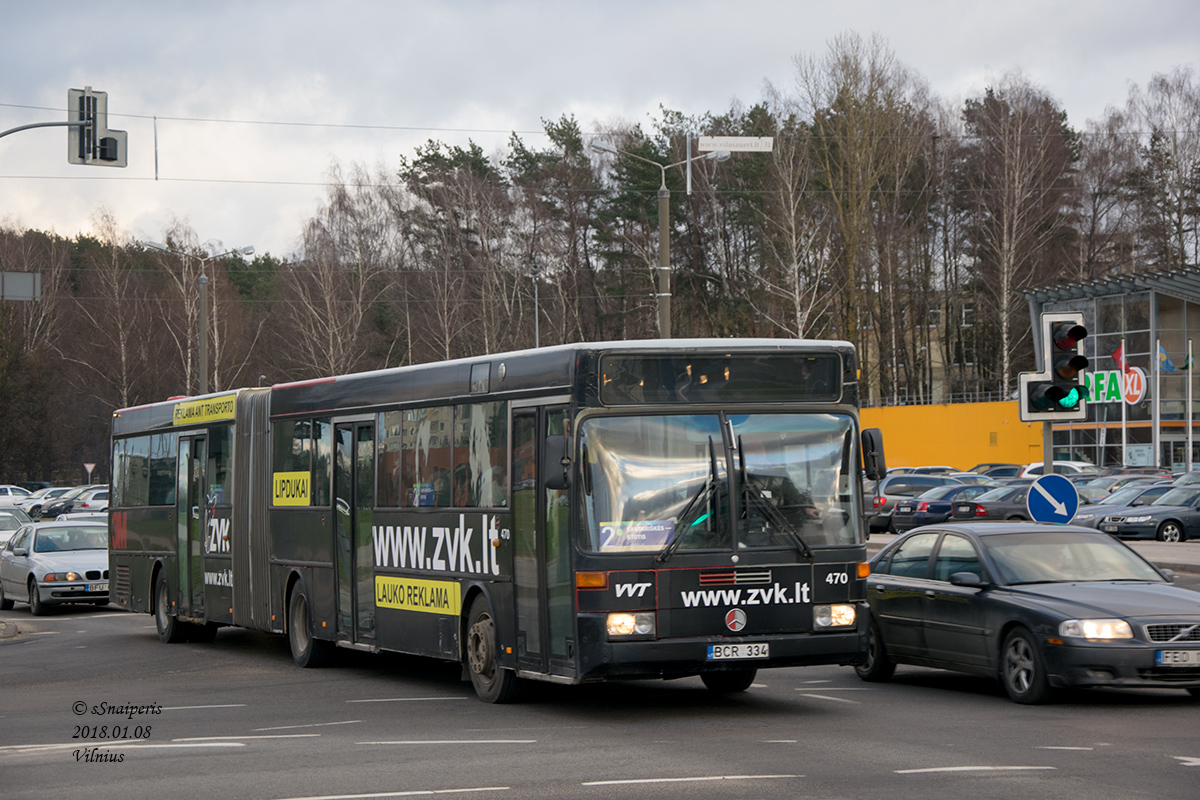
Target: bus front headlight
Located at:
point(625, 623)
point(837, 615)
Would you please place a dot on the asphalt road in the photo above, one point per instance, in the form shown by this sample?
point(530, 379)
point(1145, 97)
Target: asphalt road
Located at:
point(236, 719)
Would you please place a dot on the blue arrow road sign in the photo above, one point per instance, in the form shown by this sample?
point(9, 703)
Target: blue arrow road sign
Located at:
point(1052, 498)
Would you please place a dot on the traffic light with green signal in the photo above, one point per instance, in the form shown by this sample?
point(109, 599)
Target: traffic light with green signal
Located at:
point(1058, 391)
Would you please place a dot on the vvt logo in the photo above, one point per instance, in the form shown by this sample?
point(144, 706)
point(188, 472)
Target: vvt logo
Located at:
point(632, 589)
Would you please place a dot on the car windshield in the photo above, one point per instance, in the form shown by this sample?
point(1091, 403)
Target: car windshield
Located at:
point(1122, 497)
point(647, 480)
point(75, 538)
point(1065, 556)
point(938, 492)
point(1178, 497)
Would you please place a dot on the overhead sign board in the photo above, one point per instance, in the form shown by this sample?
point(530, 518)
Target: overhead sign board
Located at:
point(737, 144)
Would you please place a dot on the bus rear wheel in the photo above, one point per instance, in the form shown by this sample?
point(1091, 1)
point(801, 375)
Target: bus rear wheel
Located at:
point(307, 651)
point(729, 681)
point(170, 629)
point(492, 683)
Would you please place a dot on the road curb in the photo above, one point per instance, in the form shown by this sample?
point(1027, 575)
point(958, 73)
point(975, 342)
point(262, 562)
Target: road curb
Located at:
point(8, 630)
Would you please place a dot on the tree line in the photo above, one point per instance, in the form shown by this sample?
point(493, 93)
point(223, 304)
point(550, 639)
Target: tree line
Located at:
point(884, 216)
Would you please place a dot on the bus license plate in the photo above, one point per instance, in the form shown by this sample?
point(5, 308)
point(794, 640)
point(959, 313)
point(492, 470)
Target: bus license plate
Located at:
point(725, 652)
point(97, 587)
point(1176, 658)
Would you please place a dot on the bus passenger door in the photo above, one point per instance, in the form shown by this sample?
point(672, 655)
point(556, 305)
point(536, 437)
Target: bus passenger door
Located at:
point(191, 508)
point(354, 500)
point(541, 549)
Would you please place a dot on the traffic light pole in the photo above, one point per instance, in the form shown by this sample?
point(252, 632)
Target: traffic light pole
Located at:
point(1047, 448)
point(42, 125)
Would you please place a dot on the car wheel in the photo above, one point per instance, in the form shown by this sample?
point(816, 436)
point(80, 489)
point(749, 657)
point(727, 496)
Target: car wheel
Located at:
point(170, 629)
point(36, 606)
point(307, 652)
point(492, 683)
point(1022, 670)
point(728, 682)
point(878, 667)
point(1016, 518)
point(5, 603)
point(1170, 531)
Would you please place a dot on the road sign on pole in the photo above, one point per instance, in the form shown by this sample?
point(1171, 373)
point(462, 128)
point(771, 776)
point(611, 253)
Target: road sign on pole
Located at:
point(1052, 498)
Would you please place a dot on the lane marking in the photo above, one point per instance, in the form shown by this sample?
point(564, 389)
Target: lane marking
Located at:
point(780, 741)
point(123, 743)
point(966, 769)
point(456, 741)
point(270, 736)
point(1187, 761)
point(1052, 747)
point(841, 689)
point(312, 725)
point(189, 708)
point(689, 780)
point(412, 793)
point(404, 699)
point(827, 697)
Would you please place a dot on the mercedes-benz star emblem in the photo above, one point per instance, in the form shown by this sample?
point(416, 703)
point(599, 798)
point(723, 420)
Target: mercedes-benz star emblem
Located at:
point(735, 620)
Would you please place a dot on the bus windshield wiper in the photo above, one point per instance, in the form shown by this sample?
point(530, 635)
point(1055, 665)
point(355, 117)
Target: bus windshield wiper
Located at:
point(710, 483)
point(755, 498)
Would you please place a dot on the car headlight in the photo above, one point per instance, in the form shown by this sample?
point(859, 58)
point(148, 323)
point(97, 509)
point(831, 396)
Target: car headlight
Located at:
point(838, 615)
point(1143, 518)
point(631, 624)
point(1084, 516)
point(62, 576)
point(1096, 629)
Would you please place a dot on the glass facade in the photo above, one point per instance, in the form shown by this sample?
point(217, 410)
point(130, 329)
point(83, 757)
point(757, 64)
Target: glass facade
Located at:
point(1140, 319)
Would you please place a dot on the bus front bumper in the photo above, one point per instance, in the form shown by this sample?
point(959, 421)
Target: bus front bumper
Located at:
point(691, 656)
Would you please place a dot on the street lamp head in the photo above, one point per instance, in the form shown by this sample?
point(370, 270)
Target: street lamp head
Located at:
point(604, 147)
point(717, 155)
point(157, 246)
point(246, 251)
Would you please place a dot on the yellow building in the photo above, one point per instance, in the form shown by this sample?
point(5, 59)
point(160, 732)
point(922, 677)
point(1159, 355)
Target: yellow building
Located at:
point(960, 435)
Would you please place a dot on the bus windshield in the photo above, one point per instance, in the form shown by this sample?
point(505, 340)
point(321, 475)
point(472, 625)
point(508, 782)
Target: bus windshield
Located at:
point(649, 480)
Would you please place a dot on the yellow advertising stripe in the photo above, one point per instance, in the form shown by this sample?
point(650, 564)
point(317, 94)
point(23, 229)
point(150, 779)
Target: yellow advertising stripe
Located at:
point(210, 409)
point(410, 594)
point(290, 488)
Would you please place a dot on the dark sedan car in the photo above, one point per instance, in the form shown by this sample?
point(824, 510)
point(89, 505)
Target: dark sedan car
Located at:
point(895, 488)
point(1037, 606)
point(1004, 502)
point(64, 502)
point(932, 506)
point(1173, 517)
point(1119, 502)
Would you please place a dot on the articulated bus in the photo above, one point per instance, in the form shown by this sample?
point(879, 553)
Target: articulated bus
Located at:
point(653, 509)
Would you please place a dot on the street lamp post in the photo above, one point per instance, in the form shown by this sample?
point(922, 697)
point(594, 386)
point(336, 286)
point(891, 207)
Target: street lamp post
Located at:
point(203, 336)
point(664, 227)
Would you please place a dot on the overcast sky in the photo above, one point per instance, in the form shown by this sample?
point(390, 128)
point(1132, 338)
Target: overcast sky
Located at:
point(406, 72)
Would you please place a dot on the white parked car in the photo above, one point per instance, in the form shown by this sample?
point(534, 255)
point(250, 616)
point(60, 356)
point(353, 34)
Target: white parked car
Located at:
point(91, 500)
point(10, 494)
point(1060, 468)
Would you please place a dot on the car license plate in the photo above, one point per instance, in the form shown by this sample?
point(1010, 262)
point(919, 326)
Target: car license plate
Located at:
point(904, 509)
point(724, 652)
point(964, 509)
point(97, 587)
point(1109, 528)
point(1177, 658)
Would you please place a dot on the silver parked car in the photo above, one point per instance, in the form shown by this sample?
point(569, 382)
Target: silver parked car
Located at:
point(48, 563)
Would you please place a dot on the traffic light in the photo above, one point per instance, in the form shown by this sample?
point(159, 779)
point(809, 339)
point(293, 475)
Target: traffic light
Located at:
point(1058, 391)
point(92, 142)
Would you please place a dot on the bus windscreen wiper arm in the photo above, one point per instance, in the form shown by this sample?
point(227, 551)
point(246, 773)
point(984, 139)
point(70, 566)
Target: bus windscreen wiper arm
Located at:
point(769, 512)
point(709, 484)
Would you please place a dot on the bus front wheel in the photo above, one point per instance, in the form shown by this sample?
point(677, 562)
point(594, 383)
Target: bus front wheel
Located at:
point(306, 651)
point(170, 629)
point(492, 683)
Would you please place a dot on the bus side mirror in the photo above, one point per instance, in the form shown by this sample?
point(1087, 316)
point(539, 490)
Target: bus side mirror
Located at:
point(557, 466)
point(873, 461)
